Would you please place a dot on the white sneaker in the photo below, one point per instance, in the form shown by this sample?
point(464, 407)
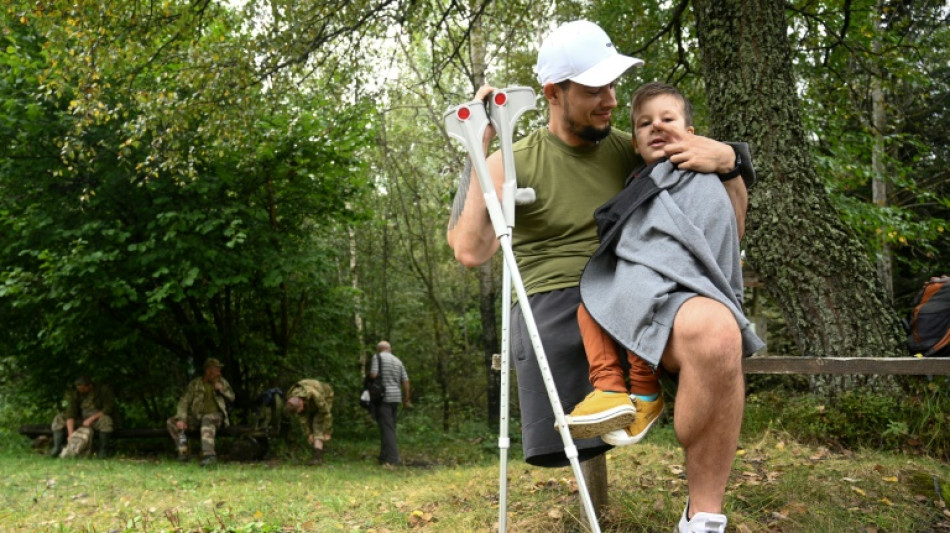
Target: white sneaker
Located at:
point(702, 522)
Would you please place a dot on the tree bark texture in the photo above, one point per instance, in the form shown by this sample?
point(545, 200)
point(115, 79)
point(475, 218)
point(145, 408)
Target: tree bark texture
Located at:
point(813, 267)
point(487, 291)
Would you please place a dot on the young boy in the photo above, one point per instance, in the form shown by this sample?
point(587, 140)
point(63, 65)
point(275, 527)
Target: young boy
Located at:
point(646, 268)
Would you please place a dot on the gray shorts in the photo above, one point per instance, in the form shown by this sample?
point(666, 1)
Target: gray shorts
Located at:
point(555, 314)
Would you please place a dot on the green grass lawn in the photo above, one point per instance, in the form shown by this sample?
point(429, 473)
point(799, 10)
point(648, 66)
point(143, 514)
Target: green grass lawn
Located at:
point(777, 485)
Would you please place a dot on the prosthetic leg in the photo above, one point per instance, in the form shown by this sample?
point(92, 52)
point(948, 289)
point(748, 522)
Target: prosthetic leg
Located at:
point(466, 123)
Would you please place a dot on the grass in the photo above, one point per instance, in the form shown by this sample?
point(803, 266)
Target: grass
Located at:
point(777, 485)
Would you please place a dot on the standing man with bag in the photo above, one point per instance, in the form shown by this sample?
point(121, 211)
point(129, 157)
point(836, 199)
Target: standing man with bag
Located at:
point(391, 373)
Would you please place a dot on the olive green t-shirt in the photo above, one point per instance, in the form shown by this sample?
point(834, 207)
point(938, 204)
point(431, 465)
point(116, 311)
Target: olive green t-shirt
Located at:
point(209, 404)
point(554, 236)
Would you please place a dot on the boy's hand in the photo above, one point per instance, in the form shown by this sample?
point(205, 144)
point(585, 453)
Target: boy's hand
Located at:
point(697, 153)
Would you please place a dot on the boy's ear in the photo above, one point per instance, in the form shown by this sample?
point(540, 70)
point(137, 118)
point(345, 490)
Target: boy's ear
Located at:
point(690, 130)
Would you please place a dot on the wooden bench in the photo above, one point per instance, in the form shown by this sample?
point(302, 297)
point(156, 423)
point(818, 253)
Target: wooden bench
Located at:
point(38, 430)
point(249, 443)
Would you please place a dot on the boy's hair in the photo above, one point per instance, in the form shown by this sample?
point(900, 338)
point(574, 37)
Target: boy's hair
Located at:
point(654, 89)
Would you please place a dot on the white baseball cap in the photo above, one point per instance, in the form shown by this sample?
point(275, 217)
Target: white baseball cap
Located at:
point(581, 51)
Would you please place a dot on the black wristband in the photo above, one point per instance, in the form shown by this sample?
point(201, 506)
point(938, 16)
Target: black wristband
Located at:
point(734, 172)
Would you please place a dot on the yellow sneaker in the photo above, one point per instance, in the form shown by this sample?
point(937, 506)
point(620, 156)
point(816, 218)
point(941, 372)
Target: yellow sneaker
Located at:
point(647, 414)
point(599, 413)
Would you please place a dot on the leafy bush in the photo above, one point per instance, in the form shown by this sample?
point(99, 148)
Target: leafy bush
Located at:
point(915, 421)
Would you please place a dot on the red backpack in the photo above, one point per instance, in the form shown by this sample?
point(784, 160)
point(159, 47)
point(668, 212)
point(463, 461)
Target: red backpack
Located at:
point(928, 326)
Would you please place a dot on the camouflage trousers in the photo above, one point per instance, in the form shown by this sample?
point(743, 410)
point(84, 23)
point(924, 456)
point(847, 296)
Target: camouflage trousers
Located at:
point(209, 427)
point(80, 442)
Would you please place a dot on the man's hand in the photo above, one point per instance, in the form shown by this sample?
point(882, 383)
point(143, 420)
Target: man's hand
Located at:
point(697, 153)
point(181, 425)
point(89, 421)
point(484, 94)
point(218, 386)
point(326, 437)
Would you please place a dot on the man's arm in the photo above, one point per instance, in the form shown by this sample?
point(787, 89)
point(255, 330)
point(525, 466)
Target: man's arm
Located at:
point(470, 233)
point(739, 196)
point(106, 400)
point(226, 390)
point(181, 412)
point(406, 397)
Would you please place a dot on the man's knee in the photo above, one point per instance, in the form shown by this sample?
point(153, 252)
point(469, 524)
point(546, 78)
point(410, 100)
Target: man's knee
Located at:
point(705, 335)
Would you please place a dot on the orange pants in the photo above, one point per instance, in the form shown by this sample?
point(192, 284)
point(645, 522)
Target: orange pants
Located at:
point(606, 374)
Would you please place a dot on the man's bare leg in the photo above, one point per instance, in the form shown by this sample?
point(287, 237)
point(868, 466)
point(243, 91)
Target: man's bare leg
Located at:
point(705, 348)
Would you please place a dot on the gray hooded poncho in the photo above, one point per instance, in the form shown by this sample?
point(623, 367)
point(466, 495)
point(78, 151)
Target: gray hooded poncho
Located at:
point(668, 236)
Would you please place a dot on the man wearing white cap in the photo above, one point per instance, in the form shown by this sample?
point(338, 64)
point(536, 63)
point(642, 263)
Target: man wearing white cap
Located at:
point(576, 164)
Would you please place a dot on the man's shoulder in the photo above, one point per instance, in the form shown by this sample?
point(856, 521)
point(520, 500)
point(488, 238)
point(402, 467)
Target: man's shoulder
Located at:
point(535, 137)
point(619, 140)
point(391, 358)
point(616, 140)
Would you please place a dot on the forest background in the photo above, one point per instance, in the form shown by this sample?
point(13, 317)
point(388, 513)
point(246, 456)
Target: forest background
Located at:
point(268, 183)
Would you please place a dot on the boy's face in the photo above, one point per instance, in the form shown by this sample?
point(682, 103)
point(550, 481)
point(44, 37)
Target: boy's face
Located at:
point(648, 140)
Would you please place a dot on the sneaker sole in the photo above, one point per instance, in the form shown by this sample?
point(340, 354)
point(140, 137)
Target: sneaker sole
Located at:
point(590, 426)
point(625, 440)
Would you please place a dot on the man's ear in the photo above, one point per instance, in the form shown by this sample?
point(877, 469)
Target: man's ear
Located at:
point(553, 93)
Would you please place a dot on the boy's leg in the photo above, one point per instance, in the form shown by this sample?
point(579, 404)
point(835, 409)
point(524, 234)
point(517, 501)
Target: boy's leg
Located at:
point(645, 393)
point(606, 373)
point(644, 381)
point(608, 407)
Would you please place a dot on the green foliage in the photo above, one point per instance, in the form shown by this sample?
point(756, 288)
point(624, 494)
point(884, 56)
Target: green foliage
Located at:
point(907, 59)
point(151, 225)
point(912, 422)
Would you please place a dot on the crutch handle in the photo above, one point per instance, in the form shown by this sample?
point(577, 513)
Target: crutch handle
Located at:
point(466, 123)
point(506, 107)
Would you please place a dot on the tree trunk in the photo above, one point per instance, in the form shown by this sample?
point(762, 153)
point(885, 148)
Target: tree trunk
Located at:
point(885, 267)
point(487, 292)
point(813, 268)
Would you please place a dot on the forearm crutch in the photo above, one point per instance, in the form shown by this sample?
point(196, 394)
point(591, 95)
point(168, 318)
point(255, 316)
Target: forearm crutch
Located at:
point(466, 123)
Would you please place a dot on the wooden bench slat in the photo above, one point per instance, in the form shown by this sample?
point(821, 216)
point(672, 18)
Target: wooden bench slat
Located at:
point(36, 430)
point(847, 365)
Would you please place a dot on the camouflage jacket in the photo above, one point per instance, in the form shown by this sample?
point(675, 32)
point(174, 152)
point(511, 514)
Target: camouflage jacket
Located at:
point(318, 398)
point(102, 398)
point(192, 402)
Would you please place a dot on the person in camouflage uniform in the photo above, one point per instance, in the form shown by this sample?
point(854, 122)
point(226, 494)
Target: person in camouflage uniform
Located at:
point(312, 402)
point(204, 404)
point(92, 405)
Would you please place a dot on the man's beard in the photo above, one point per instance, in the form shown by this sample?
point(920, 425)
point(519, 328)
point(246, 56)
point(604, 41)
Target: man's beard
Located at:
point(588, 133)
point(592, 134)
